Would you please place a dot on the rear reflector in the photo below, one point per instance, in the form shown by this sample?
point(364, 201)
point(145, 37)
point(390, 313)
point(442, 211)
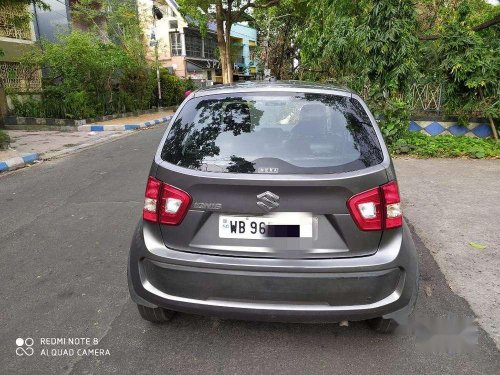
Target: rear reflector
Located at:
point(164, 204)
point(378, 208)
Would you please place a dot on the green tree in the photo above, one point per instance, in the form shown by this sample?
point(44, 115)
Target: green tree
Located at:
point(471, 68)
point(224, 13)
point(362, 43)
point(368, 45)
point(279, 27)
point(462, 52)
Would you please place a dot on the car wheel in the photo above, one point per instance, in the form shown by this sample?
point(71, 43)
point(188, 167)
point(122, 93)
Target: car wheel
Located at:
point(155, 315)
point(382, 325)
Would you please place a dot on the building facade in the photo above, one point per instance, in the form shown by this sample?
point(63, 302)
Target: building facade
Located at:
point(187, 53)
point(181, 48)
point(244, 44)
point(17, 39)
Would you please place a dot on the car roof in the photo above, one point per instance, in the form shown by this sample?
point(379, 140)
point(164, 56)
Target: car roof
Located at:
point(252, 86)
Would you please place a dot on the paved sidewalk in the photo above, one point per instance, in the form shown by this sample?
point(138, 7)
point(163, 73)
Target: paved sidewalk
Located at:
point(41, 142)
point(128, 123)
point(451, 203)
point(135, 119)
point(29, 146)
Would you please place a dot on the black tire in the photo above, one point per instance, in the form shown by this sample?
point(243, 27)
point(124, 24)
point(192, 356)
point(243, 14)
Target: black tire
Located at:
point(382, 325)
point(155, 315)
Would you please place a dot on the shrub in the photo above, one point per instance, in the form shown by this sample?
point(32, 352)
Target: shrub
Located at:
point(173, 88)
point(395, 119)
point(446, 146)
point(4, 140)
point(87, 77)
point(28, 107)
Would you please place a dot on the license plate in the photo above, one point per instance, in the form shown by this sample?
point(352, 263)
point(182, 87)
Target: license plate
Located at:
point(282, 224)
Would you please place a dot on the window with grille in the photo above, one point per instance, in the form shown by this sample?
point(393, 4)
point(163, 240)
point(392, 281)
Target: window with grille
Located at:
point(193, 45)
point(210, 47)
point(173, 24)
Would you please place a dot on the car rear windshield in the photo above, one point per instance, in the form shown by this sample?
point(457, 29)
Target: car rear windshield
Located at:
point(281, 133)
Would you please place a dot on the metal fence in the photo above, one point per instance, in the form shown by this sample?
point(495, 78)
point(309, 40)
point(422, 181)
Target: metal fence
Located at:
point(427, 97)
point(423, 97)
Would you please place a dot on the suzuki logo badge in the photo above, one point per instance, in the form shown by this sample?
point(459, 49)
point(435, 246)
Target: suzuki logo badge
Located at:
point(268, 201)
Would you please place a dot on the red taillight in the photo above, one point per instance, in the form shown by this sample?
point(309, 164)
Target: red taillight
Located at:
point(164, 204)
point(378, 208)
point(151, 198)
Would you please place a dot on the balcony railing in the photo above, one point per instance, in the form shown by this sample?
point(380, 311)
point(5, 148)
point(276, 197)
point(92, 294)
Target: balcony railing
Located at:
point(9, 28)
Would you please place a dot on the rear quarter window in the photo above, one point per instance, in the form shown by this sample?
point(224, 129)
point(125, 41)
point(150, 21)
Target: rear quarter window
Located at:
point(281, 133)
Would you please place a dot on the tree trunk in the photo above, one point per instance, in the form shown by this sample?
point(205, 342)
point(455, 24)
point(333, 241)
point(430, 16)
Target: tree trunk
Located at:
point(492, 123)
point(229, 62)
point(224, 39)
point(493, 128)
point(221, 43)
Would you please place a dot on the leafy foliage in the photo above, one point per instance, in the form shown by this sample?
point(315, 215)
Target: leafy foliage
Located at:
point(394, 120)
point(379, 48)
point(97, 72)
point(173, 88)
point(470, 66)
point(354, 42)
point(4, 140)
point(368, 45)
point(86, 77)
point(280, 27)
point(224, 13)
point(422, 145)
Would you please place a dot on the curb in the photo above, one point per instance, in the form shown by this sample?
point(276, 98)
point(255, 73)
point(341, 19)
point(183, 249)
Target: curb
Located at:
point(104, 128)
point(18, 162)
point(27, 159)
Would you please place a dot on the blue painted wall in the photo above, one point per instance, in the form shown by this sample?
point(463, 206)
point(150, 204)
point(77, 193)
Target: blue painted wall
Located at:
point(433, 128)
point(248, 34)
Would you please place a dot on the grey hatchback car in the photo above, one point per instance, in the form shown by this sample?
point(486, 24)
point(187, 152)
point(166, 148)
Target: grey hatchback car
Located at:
point(274, 201)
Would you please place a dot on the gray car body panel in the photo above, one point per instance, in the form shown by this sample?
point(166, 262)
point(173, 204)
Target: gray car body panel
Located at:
point(187, 268)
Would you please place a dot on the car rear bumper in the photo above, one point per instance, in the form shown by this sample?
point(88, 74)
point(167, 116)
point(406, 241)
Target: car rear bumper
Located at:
point(320, 290)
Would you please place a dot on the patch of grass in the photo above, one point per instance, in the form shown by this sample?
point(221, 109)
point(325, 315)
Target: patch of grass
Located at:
point(446, 146)
point(70, 145)
point(4, 140)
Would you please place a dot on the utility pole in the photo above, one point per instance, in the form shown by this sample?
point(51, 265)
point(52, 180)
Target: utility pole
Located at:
point(157, 14)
